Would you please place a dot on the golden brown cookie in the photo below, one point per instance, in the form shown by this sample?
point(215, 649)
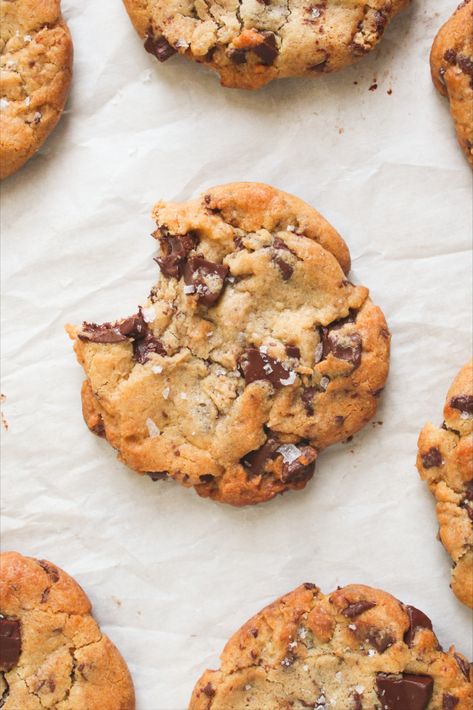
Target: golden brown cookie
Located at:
point(445, 461)
point(250, 43)
point(52, 652)
point(356, 649)
point(253, 352)
point(451, 62)
point(36, 66)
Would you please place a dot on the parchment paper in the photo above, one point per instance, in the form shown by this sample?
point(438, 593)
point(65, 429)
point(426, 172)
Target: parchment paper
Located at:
point(170, 575)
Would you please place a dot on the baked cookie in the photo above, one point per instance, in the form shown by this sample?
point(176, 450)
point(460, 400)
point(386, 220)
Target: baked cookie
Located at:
point(52, 653)
point(252, 353)
point(356, 649)
point(36, 65)
point(445, 461)
point(250, 43)
point(451, 62)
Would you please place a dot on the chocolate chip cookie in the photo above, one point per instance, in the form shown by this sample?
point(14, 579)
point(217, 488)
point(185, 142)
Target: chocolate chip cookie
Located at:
point(356, 649)
point(445, 461)
point(252, 353)
point(451, 62)
point(36, 65)
point(52, 653)
point(250, 43)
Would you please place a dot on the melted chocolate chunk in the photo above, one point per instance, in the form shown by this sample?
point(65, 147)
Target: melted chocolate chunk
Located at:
point(463, 665)
point(256, 365)
point(463, 402)
point(307, 397)
point(450, 56)
point(346, 346)
point(465, 64)
point(432, 458)
point(51, 571)
point(159, 46)
point(285, 268)
point(357, 701)
point(410, 692)
point(206, 478)
point(379, 638)
point(206, 277)
point(255, 461)
point(237, 56)
point(356, 608)
point(309, 585)
point(293, 351)
point(208, 690)
point(10, 643)
point(176, 251)
point(134, 327)
point(104, 333)
point(158, 476)
point(381, 21)
point(267, 51)
point(301, 469)
point(417, 620)
point(449, 702)
point(142, 349)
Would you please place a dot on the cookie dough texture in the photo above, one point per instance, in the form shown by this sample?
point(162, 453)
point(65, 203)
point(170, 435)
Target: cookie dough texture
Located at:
point(252, 353)
point(445, 461)
point(251, 42)
point(36, 66)
point(355, 649)
point(52, 653)
point(451, 62)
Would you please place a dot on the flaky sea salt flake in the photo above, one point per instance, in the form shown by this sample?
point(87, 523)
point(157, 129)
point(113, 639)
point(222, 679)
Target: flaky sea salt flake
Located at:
point(153, 430)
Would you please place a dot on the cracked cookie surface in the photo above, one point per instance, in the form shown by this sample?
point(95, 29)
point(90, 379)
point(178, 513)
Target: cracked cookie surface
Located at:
point(252, 353)
point(52, 652)
point(36, 67)
point(355, 649)
point(451, 62)
point(445, 461)
point(251, 42)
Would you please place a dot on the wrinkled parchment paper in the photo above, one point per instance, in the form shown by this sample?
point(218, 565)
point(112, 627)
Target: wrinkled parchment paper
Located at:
point(170, 575)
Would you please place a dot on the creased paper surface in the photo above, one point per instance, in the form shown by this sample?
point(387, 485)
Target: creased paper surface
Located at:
point(171, 576)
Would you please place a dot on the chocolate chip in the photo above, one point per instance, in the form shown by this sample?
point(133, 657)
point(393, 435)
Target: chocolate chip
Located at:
point(206, 478)
point(463, 402)
point(450, 56)
point(357, 701)
point(51, 571)
point(159, 46)
point(307, 397)
point(104, 333)
point(463, 665)
point(255, 461)
point(134, 327)
point(346, 346)
point(449, 701)
point(432, 458)
point(206, 278)
point(44, 595)
point(158, 476)
point(99, 427)
point(142, 349)
point(285, 268)
point(339, 420)
point(293, 351)
point(381, 21)
point(256, 365)
point(309, 585)
point(357, 608)
point(410, 692)
point(208, 690)
point(237, 56)
point(281, 244)
point(267, 50)
point(301, 469)
point(417, 620)
point(379, 638)
point(10, 643)
point(295, 471)
point(176, 250)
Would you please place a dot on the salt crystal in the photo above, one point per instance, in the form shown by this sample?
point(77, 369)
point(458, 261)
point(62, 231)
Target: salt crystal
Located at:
point(149, 314)
point(302, 631)
point(352, 627)
point(290, 228)
point(371, 652)
point(314, 13)
point(305, 667)
point(166, 393)
point(183, 395)
point(153, 430)
point(360, 689)
point(267, 368)
point(189, 289)
point(27, 38)
point(27, 101)
point(292, 645)
point(289, 380)
point(319, 351)
point(324, 383)
point(290, 453)
point(465, 415)
point(181, 43)
point(38, 116)
point(248, 686)
point(263, 349)
point(4, 103)
point(338, 677)
point(157, 369)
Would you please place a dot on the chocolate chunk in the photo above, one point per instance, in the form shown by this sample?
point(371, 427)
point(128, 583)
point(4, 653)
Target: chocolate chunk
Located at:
point(237, 56)
point(465, 64)
point(134, 327)
point(207, 478)
point(281, 244)
point(285, 268)
point(357, 701)
point(432, 458)
point(208, 690)
point(293, 351)
point(463, 402)
point(357, 608)
point(381, 21)
point(450, 56)
point(339, 420)
point(379, 638)
point(255, 461)
point(309, 585)
point(159, 46)
point(206, 278)
point(463, 665)
point(51, 571)
point(176, 250)
point(417, 620)
point(267, 51)
point(346, 346)
point(307, 397)
point(142, 349)
point(469, 490)
point(256, 365)
point(10, 643)
point(158, 476)
point(104, 333)
point(301, 469)
point(449, 701)
point(410, 692)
